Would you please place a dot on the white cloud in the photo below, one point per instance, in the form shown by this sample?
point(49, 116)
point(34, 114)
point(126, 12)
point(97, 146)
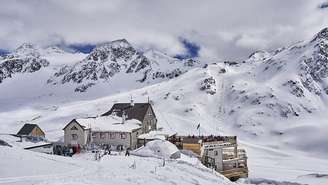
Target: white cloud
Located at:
point(223, 29)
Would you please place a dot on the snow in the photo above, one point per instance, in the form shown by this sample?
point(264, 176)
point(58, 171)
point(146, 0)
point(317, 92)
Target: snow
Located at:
point(26, 167)
point(285, 136)
point(156, 134)
point(15, 141)
point(110, 123)
point(158, 148)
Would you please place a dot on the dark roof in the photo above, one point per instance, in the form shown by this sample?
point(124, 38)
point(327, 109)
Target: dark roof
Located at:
point(137, 111)
point(27, 129)
point(74, 121)
point(38, 146)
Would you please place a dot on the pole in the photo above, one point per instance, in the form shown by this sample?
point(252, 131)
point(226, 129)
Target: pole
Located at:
point(199, 130)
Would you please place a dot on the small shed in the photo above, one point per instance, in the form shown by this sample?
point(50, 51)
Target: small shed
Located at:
point(31, 130)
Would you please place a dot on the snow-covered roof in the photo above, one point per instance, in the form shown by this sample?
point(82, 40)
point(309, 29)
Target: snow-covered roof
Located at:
point(110, 123)
point(156, 135)
point(16, 142)
point(158, 148)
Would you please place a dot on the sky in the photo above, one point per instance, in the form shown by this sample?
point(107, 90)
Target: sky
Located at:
point(225, 29)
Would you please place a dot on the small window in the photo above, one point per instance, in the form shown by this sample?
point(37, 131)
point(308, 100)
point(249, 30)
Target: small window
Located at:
point(94, 135)
point(74, 128)
point(102, 135)
point(216, 153)
point(112, 135)
point(123, 135)
point(74, 137)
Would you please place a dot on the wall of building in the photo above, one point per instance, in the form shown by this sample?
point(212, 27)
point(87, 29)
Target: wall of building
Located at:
point(82, 135)
point(111, 138)
point(217, 155)
point(150, 122)
point(194, 147)
point(115, 138)
point(37, 132)
point(134, 137)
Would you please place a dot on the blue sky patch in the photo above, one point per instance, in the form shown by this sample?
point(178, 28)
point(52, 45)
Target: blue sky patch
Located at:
point(83, 48)
point(192, 49)
point(3, 52)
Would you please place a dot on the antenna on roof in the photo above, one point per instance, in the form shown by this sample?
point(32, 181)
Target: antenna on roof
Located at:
point(148, 99)
point(132, 102)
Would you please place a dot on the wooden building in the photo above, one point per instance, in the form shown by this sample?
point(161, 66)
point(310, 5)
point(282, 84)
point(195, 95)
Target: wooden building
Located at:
point(218, 152)
point(32, 131)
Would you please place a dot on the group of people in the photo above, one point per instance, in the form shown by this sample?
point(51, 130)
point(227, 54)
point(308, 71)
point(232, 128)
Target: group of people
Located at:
point(66, 150)
point(106, 150)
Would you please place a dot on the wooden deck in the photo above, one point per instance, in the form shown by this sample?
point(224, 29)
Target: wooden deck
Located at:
point(235, 173)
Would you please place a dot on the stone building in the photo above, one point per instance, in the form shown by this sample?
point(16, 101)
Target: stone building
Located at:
point(106, 130)
point(119, 127)
point(143, 112)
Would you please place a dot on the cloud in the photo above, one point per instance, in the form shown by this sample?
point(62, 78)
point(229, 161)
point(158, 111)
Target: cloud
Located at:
point(227, 29)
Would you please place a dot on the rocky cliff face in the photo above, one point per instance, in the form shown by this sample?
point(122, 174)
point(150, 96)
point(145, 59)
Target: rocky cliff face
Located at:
point(118, 58)
point(25, 59)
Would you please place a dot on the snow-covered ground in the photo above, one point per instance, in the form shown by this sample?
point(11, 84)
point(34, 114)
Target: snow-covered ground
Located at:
point(270, 157)
point(20, 167)
point(17, 142)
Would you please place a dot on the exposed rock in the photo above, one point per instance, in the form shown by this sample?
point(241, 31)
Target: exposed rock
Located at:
point(25, 59)
point(295, 88)
point(208, 85)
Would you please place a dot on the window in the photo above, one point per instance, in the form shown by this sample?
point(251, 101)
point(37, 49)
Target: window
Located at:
point(74, 128)
point(102, 135)
point(74, 136)
point(94, 135)
point(216, 153)
point(112, 135)
point(123, 135)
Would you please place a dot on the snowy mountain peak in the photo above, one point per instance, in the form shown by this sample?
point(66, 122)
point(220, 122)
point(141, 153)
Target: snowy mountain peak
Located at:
point(120, 43)
point(25, 46)
point(116, 44)
point(25, 59)
point(259, 55)
point(115, 50)
point(27, 49)
point(54, 50)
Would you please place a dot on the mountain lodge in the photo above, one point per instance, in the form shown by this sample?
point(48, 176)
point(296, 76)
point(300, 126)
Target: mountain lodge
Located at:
point(119, 127)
